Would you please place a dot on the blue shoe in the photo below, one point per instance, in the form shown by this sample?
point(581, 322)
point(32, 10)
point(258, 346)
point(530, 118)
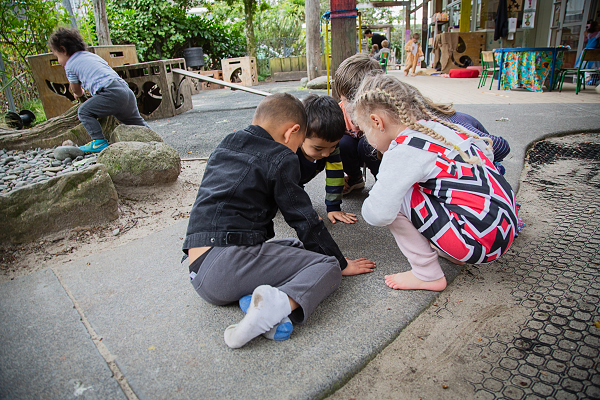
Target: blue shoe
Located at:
point(281, 331)
point(95, 146)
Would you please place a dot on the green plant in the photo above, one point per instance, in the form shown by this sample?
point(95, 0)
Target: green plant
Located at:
point(279, 30)
point(162, 30)
point(25, 26)
point(36, 107)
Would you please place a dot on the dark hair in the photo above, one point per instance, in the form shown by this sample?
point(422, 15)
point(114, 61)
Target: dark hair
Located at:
point(593, 26)
point(282, 108)
point(68, 39)
point(350, 74)
point(325, 118)
point(367, 31)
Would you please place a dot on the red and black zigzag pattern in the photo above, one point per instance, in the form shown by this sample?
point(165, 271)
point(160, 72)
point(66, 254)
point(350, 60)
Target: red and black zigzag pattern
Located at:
point(468, 211)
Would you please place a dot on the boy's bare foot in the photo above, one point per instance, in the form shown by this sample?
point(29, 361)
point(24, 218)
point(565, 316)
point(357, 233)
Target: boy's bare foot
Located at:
point(407, 281)
point(405, 73)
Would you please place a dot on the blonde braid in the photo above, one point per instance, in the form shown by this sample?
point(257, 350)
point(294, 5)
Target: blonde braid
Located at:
point(388, 94)
point(415, 126)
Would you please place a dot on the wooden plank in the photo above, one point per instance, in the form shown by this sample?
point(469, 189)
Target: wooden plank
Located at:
point(275, 65)
point(289, 76)
point(286, 65)
point(219, 82)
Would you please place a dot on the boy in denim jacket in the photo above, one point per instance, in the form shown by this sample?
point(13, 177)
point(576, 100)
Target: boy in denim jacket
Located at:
point(251, 175)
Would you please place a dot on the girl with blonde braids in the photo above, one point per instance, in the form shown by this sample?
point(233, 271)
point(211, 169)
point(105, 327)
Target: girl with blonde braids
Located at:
point(437, 189)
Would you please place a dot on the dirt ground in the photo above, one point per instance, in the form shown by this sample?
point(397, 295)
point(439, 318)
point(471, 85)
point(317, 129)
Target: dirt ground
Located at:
point(142, 210)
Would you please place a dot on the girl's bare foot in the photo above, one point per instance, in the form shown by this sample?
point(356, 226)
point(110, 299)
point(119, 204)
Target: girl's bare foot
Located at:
point(407, 281)
point(405, 73)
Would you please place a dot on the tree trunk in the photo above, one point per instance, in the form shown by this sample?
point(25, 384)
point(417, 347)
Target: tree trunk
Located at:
point(52, 132)
point(102, 32)
point(249, 20)
point(312, 9)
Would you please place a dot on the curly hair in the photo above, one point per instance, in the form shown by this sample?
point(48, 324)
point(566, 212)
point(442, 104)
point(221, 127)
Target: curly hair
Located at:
point(68, 40)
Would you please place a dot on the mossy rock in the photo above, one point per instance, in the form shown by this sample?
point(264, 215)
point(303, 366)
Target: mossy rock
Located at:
point(141, 164)
point(133, 133)
point(75, 199)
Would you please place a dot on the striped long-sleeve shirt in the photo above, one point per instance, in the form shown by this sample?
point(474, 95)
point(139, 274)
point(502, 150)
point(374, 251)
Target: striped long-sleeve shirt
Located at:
point(334, 176)
point(500, 145)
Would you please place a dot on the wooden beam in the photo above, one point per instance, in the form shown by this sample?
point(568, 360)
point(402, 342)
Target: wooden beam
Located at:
point(313, 38)
point(220, 82)
point(386, 3)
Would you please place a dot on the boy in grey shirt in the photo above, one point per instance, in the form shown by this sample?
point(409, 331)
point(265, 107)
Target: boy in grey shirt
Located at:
point(110, 94)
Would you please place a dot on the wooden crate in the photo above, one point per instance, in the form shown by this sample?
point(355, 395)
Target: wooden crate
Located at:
point(52, 84)
point(217, 74)
point(116, 56)
point(240, 70)
point(197, 85)
point(159, 91)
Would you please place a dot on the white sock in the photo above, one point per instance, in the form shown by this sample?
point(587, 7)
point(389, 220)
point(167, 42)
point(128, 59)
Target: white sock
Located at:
point(267, 308)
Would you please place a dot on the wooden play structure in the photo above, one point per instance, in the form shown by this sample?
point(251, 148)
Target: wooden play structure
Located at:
point(160, 91)
point(240, 70)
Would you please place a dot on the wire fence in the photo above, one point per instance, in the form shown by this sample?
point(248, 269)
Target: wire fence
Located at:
point(24, 91)
point(264, 68)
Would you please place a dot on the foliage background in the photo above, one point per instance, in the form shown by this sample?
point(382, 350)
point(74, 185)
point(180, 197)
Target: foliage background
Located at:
point(25, 27)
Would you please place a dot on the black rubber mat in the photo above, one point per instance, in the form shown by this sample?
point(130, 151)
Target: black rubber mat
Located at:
point(556, 354)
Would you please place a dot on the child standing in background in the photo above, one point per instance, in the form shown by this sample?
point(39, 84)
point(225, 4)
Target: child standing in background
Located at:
point(413, 53)
point(320, 151)
point(110, 94)
point(437, 190)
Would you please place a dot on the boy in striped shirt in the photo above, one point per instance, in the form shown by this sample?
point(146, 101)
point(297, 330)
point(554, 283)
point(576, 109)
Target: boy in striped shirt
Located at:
point(320, 151)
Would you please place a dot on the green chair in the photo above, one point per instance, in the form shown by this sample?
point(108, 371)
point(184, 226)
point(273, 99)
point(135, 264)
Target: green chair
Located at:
point(383, 61)
point(579, 73)
point(489, 67)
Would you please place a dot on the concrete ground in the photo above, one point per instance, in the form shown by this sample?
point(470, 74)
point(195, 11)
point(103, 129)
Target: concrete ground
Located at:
point(126, 323)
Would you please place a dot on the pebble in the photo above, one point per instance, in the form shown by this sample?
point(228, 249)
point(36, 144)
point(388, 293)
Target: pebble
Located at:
point(22, 168)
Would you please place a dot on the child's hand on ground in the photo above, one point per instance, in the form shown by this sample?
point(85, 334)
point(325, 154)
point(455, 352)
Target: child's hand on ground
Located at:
point(341, 216)
point(358, 266)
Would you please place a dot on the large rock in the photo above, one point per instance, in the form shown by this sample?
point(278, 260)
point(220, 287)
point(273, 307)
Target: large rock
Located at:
point(133, 133)
point(319, 83)
point(141, 164)
point(75, 199)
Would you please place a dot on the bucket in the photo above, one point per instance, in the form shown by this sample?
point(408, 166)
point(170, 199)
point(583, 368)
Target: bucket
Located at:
point(194, 57)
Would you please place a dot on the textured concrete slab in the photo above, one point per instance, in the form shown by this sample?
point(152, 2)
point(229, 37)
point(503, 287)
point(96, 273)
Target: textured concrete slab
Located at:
point(169, 343)
point(528, 123)
point(46, 351)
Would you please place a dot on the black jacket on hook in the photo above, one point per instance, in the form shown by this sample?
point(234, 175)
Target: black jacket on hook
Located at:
point(501, 29)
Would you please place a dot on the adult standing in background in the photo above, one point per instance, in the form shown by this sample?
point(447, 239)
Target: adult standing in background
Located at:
point(376, 38)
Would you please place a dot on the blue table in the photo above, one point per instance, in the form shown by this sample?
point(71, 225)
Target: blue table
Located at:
point(554, 51)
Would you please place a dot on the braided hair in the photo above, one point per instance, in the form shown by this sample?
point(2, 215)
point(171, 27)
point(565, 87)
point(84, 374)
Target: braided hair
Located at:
point(438, 112)
point(403, 104)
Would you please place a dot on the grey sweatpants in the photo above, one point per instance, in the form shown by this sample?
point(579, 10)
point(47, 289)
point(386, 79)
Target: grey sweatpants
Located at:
point(229, 273)
point(115, 99)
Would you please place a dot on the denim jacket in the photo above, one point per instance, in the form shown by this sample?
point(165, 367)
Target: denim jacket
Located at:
point(247, 179)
